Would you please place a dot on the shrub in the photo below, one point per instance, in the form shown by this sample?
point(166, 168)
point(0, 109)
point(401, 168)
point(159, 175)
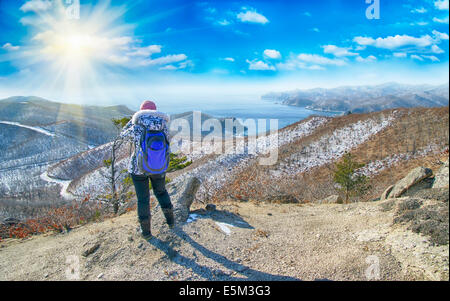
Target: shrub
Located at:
point(177, 163)
point(57, 219)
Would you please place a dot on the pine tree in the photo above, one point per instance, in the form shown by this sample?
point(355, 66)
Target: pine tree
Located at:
point(349, 181)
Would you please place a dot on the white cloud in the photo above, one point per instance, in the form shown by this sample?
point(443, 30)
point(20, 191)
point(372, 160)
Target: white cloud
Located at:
point(416, 57)
point(400, 54)
point(315, 29)
point(441, 4)
point(187, 63)
point(28, 20)
point(368, 59)
point(251, 16)
point(259, 65)
point(315, 67)
point(181, 65)
point(440, 35)
point(338, 51)
point(308, 14)
point(436, 49)
point(442, 21)
point(145, 51)
point(431, 57)
point(272, 53)
point(319, 60)
point(393, 42)
point(223, 22)
point(423, 44)
point(364, 40)
point(420, 10)
point(309, 62)
point(168, 67)
point(119, 60)
point(10, 47)
point(36, 6)
point(420, 23)
point(168, 59)
point(230, 59)
point(294, 64)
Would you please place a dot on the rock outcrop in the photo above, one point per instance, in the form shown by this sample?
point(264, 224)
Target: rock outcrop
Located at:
point(414, 177)
point(427, 217)
point(385, 193)
point(421, 207)
point(441, 179)
point(182, 195)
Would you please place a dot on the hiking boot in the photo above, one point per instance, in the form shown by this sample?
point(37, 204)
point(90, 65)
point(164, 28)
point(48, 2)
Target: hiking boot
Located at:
point(146, 232)
point(168, 213)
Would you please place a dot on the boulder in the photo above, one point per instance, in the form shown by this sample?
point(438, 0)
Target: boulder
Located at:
point(420, 186)
point(414, 177)
point(385, 194)
point(182, 195)
point(441, 178)
point(333, 199)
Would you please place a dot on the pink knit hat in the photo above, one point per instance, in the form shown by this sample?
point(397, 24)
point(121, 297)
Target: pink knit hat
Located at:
point(148, 105)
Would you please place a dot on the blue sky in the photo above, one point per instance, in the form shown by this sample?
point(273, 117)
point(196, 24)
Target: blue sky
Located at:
point(120, 50)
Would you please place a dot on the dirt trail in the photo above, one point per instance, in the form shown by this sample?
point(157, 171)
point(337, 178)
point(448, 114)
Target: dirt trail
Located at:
point(264, 242)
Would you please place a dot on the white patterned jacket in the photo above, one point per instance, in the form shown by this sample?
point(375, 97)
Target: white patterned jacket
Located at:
point(133, 131)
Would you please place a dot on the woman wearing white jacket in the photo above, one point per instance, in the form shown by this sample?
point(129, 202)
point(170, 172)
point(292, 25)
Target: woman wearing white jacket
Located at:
point(147, 119)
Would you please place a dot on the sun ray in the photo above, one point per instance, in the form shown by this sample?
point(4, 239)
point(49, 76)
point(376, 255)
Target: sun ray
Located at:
point(72, 55)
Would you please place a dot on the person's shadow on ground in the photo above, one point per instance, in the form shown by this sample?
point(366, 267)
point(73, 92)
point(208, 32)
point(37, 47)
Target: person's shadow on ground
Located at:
point(207, 272)
point(221, 216)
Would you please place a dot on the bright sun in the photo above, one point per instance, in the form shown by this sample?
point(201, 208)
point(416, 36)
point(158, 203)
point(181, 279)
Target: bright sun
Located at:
point(78, 46)
point(74, 46)
point(74, 55)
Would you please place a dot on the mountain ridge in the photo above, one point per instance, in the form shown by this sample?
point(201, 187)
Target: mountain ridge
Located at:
point(363, 99)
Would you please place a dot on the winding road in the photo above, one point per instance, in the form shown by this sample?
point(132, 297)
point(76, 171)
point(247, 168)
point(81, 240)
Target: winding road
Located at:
point(64, 183)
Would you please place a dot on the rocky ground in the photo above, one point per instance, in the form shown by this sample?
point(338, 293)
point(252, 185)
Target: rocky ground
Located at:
point(239, 241)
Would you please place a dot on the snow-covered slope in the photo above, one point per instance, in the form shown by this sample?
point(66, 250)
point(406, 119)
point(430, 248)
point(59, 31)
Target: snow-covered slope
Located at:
point(35, 133)
point(331, 147)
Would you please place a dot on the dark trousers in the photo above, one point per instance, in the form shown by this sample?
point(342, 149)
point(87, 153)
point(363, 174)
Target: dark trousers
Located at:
point(141, 185)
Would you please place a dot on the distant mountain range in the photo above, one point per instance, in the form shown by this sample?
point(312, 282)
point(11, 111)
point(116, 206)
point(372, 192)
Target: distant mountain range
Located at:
point(362, 99)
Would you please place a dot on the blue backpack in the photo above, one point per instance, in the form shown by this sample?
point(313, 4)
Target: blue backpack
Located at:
point(154, 152)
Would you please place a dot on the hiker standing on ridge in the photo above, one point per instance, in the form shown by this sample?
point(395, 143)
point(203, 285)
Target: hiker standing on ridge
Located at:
point(148, 130)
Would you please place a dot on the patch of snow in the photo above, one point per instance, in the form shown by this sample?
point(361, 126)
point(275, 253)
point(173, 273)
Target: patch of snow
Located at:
point(224, 227)
point(378, 166)
point(192, 217)
point(36, 129)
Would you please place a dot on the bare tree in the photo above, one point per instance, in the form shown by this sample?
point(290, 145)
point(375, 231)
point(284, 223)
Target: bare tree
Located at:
point(119, 181)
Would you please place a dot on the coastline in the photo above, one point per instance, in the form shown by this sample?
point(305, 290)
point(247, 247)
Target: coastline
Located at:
point(324, 111)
